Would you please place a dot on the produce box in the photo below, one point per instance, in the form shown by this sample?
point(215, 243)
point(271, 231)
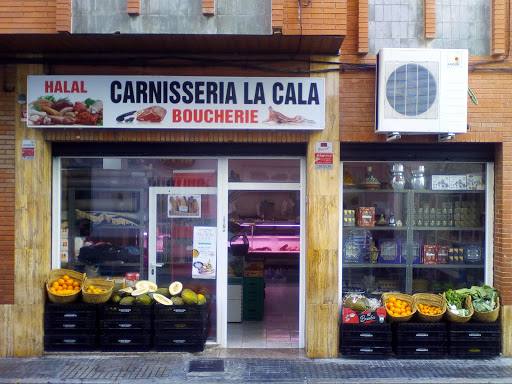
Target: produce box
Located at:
point(125, 341)
point(70, 342)
point(349, 316)
point(365, 216)
point(374, 334)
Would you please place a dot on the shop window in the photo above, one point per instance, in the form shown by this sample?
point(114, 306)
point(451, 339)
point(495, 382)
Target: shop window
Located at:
point(413, 227)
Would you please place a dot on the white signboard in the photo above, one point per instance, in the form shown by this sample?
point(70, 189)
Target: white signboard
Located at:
point(158, 102)
point(204, 253)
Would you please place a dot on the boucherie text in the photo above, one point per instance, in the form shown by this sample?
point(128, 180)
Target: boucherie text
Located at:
point(212, 92)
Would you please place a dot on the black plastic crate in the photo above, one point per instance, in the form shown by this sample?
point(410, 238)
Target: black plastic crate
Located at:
point(125, 341)
point(252, 314)
point(71, 341)
point(358, 334)
point(69, 324)
point(72, 311)
point(177, 324)
point(424, 332)
point(474, 332)
point(125, 324)
point(170, 312)
point(421, 351)
point(179, 337)
point(366, 351)
point(133, 312)
point(475, 349)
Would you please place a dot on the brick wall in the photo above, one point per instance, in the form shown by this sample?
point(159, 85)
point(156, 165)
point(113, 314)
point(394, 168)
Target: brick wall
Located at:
point(318, 17)
point(36, 16)
point(7, 185)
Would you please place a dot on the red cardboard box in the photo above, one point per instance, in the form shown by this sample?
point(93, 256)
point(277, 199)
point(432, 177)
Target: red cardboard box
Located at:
point(352, 317)
point(365, 216)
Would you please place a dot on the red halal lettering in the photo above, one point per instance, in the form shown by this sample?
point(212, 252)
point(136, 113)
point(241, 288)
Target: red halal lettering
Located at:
point(64, 87)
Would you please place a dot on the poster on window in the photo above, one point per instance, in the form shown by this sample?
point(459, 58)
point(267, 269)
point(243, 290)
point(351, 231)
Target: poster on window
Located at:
point(204, 253)
point(184, 206)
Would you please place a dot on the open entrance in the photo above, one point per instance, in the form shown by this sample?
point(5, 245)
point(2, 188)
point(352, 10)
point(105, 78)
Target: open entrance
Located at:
point(264, 229)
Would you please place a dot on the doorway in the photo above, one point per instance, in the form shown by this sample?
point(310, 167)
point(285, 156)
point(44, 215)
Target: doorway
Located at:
point(254, 293)
point(264, 263)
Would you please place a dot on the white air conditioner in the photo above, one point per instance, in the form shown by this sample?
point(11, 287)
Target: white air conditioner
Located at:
point(421, 91)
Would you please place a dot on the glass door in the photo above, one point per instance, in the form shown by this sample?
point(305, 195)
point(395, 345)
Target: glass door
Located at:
point(183, 236)
point(265, 268)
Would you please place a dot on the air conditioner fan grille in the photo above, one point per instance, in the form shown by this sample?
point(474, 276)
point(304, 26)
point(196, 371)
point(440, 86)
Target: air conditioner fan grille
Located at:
point(411, 89)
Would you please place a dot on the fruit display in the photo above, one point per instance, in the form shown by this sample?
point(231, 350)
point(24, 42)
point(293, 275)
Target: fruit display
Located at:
point(93, 289)
point(147, 293)
point(397, 307)
point(65, 286)
point(429, 309)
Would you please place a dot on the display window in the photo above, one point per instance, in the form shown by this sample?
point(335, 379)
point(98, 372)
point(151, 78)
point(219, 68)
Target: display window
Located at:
point(415, 227)
point(107, 208)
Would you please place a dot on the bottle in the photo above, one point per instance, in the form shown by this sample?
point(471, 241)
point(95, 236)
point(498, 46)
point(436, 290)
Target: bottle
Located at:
point(418, 178)
point(397, 176)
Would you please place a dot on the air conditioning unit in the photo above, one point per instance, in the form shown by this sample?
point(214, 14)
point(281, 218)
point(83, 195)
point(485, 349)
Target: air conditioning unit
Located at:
point(421, 91)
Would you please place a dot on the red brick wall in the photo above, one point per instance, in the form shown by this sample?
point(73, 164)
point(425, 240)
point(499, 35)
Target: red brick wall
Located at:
point(36, 16)
point(319, 17)
point(7, 185)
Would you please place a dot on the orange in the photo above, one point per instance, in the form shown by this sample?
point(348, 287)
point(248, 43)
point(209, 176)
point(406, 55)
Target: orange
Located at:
point(76, 289)
point(392, 299)
point(76, 284)
point(65, 277)
point(61, 281)
point(69, 282)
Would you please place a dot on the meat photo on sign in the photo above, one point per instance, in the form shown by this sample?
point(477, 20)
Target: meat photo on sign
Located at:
point(153, 114)
point(47, 110)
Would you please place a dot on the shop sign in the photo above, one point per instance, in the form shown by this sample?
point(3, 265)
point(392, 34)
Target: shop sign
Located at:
point(204, 253)
point(28, 149)
point(158, 102)
point(324, 155)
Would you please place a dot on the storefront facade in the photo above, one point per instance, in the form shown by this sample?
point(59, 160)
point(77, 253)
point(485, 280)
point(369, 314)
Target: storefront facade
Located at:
point(37, 160)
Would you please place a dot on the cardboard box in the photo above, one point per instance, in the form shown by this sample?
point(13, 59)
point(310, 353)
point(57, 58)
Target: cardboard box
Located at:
point(440, 182)
point(475, 181)
point(458, 182)
point(366, 216)
point(350, 316)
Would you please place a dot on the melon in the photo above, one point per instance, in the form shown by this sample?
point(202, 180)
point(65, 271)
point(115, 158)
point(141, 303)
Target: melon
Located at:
point(201, 299)
point(126, 291)
point(140, 291)
point(177, 300)
point(143, 300)
point(175, 288)
point(189, 296)
point(162, 299)
point(128, 300)
point(146, 283)
point(163, 291)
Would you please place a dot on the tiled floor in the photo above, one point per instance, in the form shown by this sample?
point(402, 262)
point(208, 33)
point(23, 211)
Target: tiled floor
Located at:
point(280, 327)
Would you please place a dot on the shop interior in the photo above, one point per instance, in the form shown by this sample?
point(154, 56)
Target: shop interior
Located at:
point(263, 269)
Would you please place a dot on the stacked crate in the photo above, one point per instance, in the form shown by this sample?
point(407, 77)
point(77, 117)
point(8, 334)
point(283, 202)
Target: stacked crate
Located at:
point(253, 298)
point(70, 327)
point(125, 328)
point(420, 340)
point(179, 328)
point(469, 340)
point(372, 340)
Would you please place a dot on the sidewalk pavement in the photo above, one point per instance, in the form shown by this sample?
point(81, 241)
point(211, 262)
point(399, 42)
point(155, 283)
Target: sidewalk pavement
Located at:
point(218, 365)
